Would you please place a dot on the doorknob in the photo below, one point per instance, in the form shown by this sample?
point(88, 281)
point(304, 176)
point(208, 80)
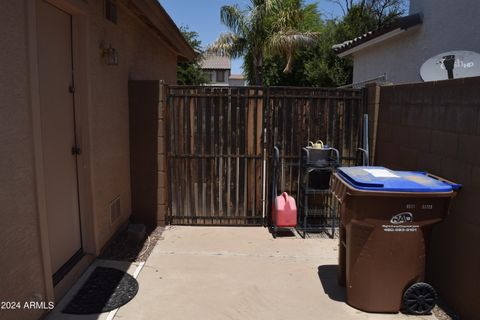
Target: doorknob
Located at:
point(76, 150)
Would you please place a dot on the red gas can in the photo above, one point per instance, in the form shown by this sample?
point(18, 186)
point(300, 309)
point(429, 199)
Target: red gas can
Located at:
point(284, 211)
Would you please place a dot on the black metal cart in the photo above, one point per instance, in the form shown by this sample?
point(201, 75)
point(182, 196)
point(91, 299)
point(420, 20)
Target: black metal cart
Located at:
point(316, 208)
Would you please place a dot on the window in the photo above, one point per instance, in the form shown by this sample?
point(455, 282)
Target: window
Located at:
point(111, 11)
point(209, 76)
point(220, 76)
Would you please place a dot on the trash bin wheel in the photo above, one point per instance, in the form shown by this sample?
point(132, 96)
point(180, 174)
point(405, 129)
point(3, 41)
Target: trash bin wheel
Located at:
point(419, 298)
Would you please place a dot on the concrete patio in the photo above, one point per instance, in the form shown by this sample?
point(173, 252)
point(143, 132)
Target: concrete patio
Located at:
point(241, 273)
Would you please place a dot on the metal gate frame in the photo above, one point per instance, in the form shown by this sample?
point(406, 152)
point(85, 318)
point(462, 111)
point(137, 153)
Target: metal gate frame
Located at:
point(227, 163)
point(211, 183)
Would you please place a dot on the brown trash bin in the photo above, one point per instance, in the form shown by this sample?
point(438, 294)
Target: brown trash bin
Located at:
point(386, 219)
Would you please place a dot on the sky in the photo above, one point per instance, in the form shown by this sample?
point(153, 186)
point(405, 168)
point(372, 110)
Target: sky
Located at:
point(203, 16)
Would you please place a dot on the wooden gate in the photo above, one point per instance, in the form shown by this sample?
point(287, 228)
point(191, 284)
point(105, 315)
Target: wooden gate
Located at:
point(298, 115)
point(220, 142)
point(215, 154)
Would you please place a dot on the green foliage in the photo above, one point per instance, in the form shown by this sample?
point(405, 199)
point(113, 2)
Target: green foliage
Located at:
point(265, 28)
point(191, 73)
point(318, 66)
point(286, 43)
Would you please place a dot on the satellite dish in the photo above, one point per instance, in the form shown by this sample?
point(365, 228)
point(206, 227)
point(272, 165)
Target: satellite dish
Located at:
point(451, 65)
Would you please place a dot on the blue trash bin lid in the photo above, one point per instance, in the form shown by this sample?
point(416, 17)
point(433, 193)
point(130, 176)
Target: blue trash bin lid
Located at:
point(383, 179)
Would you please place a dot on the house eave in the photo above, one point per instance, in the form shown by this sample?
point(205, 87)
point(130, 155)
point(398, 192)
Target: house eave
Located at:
point(372, 42)
point(373, 37)
point(156, 18)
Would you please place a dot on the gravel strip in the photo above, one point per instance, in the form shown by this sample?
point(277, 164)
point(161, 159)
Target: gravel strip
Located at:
point(124, 249)
point(443, 312)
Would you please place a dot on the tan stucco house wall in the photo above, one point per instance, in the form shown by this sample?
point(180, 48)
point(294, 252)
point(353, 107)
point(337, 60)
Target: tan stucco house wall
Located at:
point(148, 46)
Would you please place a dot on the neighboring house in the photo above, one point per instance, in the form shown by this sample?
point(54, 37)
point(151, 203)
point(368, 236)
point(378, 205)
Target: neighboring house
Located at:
point(218, 71)
point(64, 129)
point(237, 80)
point(395, 53)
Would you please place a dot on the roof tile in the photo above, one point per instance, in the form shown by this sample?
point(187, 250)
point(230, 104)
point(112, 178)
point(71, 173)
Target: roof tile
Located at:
point(399, 23)
point(216, 62)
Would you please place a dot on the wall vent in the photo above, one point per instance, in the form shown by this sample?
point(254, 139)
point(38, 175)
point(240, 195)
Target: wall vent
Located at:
point(115, 209)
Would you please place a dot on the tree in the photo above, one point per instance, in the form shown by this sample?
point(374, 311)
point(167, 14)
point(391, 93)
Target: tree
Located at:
point(295, 26)
point(382, 11)
point(318, 66)
point(191, 73)
point(264, 28)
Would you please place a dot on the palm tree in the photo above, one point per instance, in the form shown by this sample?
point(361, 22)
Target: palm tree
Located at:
point(265, 27)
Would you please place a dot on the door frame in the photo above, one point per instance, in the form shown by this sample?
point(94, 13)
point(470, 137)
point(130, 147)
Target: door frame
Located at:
point(78, 11)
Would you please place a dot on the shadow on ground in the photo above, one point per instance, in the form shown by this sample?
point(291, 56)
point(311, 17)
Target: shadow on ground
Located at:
point(284, 233)
point(125, 248)
point(328, 277)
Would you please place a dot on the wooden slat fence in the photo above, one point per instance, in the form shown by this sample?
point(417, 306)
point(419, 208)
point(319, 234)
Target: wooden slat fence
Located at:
point(215, 155)
point(298, 115)
point(220, 140)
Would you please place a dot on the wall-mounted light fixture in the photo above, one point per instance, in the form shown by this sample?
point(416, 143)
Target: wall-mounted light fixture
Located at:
point(109, 54)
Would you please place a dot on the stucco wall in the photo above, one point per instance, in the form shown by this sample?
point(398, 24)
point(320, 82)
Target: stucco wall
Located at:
point(142, 55)
point(237, 82)
point(212, 74)
point(21, 261)
point(447, 26)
